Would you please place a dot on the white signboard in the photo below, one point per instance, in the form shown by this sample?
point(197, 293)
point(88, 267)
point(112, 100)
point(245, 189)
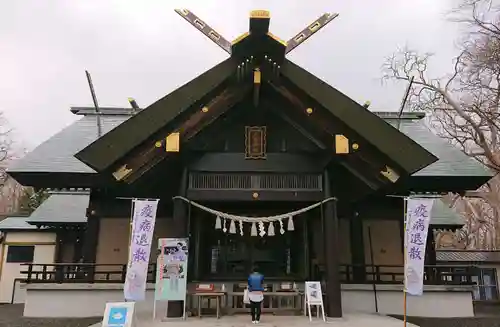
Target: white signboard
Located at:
point(143, 225)
point(418, 216)
point(314, 297)
point(171, 271)
point(119, 314)
point(171, 274)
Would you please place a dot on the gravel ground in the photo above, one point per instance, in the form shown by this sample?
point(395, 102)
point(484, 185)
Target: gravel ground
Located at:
point(454, 322)
point(11, 315)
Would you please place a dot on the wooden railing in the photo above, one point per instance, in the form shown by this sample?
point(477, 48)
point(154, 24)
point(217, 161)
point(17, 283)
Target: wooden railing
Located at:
point(365, 274)
point(80, 273)
point(392, 274)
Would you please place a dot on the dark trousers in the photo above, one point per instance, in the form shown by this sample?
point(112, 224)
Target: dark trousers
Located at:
point(255, 308)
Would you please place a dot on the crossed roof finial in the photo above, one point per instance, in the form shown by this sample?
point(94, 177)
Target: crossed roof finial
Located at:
point(259, 23)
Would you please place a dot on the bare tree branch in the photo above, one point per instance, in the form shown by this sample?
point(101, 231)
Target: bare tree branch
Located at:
point(464, 107)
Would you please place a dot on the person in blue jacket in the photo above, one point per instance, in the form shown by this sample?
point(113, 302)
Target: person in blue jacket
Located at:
point(255, 294)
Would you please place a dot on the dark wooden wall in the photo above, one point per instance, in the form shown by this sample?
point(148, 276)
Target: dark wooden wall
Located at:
point(228, 134)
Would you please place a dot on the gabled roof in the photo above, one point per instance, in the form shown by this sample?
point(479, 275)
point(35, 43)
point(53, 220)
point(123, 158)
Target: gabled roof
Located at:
point(57, 153)
point(77, 149)
point(365, 123)
point(263, 52)
point(104, 152)
point(62, 207)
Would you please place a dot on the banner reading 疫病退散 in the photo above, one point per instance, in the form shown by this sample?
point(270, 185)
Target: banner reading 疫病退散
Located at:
point(171, 274)
point(418, 216)
point(143, 225)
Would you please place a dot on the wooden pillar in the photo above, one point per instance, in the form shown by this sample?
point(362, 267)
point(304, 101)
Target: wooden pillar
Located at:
point(78, 245)
point(60, 242)
point(430, 248)
point(91, 239)
point(305, 240)
point(179, 229)
point(180, 212)
point(402, 234)
point(357, 247)
point(331, 243)
point(195, 247)
point(91, 236)
point(430, 255)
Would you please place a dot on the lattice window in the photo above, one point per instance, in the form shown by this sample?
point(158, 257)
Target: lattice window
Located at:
point(217, 181)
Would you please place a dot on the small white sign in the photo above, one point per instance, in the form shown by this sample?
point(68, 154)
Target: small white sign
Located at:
point(118, 314)
point(314, 297)
point(313, 293)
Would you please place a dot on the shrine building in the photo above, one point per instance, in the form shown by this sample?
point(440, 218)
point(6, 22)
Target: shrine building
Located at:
point(257, 135)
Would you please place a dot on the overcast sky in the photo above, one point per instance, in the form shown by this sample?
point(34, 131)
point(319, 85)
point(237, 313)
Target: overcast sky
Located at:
point(142, 49)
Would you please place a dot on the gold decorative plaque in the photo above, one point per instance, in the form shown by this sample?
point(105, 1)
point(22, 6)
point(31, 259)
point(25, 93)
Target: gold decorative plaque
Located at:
point(341, 144)
point(255, 142)
point(172, 142)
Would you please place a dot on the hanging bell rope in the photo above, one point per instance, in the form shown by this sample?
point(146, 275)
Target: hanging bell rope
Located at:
point(223, 215)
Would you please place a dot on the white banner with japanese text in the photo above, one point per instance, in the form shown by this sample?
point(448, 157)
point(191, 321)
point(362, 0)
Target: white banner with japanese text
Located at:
point(418, 216)
point(141, 237)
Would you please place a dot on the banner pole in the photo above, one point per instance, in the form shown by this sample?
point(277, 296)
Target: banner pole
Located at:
point(404, 261)
point(132, 203)
point(130, 229)
point(374, 285)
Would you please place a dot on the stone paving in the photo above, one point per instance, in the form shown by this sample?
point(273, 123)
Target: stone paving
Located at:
point(11, 315)
point(352, 320)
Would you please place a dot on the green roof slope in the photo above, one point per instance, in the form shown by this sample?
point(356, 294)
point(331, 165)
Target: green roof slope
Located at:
point(443, 215)
point(452, 161)
point(57, 153)
point(62, 207)
point(16, 223)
